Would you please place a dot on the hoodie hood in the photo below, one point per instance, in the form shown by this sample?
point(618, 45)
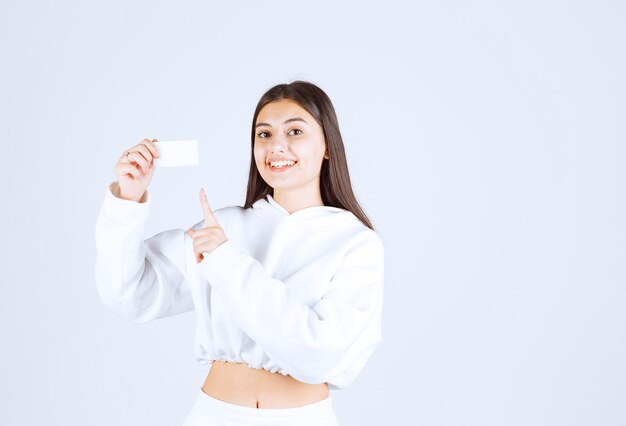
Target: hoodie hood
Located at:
point(268, 208)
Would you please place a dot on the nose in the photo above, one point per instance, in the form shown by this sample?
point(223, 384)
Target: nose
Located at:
point(279, 144)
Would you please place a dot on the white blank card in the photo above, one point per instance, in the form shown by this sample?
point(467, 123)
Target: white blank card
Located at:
point(177, 153)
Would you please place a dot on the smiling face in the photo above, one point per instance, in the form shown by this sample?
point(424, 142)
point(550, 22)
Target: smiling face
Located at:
point(285, 130)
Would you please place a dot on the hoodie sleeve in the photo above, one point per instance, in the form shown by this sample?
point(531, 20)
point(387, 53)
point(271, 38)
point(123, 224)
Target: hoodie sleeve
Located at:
point(329, 341)
point(141, 280)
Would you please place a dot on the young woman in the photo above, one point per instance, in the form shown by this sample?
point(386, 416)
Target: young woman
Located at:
point(287, 289)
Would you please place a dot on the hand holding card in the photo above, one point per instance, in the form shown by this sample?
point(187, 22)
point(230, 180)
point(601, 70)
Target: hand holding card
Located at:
point(134, 170)
point(177, 153)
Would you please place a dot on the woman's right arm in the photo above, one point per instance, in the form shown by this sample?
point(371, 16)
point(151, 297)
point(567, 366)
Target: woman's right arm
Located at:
point(141, 280)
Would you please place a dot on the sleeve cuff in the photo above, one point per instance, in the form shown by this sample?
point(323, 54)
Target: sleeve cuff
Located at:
point(216, 265)
point(125, 210)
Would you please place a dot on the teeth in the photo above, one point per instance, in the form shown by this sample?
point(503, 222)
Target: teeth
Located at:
point(282, 163)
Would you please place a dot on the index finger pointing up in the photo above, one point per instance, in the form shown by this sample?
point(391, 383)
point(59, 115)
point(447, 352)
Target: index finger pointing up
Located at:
point(209, 218)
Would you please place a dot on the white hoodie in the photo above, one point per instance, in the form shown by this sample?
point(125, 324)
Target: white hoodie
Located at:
point(300, 294)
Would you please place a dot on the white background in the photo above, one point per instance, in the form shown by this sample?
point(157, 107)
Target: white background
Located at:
point(486, 142)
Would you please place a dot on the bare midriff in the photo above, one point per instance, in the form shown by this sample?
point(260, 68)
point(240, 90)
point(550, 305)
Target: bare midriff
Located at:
point(239, 384)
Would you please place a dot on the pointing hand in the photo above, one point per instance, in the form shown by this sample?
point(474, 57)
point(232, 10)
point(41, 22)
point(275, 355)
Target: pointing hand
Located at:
point(207, 239)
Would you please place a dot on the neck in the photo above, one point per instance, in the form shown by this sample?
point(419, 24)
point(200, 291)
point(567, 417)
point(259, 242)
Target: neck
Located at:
point(296, 199)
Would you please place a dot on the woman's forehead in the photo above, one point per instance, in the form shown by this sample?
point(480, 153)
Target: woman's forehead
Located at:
point(276, 112)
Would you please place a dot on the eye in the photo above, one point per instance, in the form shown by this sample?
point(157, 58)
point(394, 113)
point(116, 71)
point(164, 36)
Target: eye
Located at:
point(260, 133)
point(298, 130)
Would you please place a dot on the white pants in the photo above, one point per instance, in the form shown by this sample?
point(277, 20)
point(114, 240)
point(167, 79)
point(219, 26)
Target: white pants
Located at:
point(209, 411)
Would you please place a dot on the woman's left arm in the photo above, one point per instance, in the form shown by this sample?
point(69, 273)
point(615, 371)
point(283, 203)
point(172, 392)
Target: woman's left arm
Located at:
point(312, 343)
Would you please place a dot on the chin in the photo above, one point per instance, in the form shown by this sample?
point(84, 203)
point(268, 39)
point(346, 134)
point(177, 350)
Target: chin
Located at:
point(283, 185)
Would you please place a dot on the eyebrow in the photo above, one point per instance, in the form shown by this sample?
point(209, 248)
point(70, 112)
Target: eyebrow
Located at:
point(286, 121)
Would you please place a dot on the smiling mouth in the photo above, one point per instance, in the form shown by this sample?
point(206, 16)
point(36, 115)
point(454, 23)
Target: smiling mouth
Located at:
point(280, 169)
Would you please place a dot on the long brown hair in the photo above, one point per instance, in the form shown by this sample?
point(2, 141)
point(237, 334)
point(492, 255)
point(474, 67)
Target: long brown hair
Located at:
point(335, 186)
